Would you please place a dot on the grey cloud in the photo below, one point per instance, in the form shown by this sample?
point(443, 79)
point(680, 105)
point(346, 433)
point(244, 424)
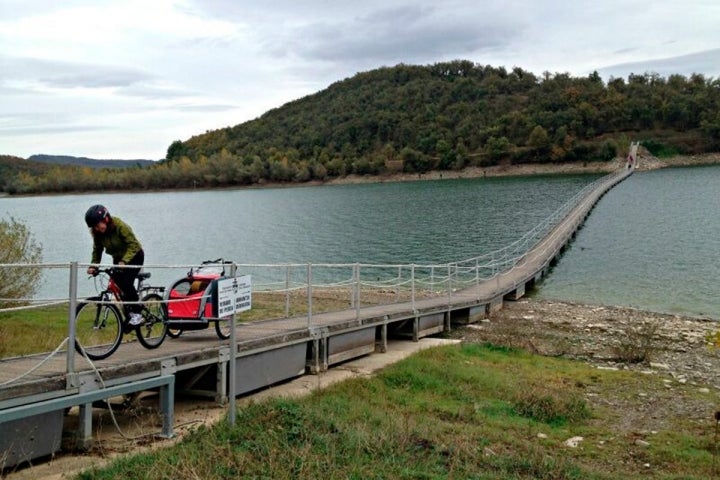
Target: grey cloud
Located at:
point(706, 62)
point(16, 130)
point(11, 90)
point(205, 108)
point(207, 42)
point(624, 50)
point(31, 75)
point(244, 11)
point(372, 33)
point(18, 9)
point(92, 78)
point(154, 92)
point(58, 74)
point(397, 34)
point(408, 14)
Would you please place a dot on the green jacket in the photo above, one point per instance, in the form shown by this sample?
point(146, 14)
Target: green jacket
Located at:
point(118, 241)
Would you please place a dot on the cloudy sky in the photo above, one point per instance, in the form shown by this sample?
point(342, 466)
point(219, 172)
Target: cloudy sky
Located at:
point(125, 78)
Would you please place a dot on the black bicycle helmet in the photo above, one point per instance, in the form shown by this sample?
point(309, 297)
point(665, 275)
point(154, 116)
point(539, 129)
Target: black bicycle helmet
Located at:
point(95, 215)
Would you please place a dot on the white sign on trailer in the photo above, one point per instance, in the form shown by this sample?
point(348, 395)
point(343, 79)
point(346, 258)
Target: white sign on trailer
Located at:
point(234, 295)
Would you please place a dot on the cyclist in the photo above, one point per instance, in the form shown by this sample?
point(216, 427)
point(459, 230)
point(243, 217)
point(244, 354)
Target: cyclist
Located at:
point(112, 235)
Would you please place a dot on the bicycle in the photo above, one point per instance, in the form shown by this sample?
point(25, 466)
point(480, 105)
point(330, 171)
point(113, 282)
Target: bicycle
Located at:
point(100, 321)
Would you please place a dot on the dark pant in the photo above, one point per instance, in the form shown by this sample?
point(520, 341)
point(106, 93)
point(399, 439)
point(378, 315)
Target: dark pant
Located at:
point(125, 279)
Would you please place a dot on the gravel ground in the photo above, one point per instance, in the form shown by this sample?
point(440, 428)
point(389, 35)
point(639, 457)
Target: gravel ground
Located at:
point(673, 348)
point(608, 337)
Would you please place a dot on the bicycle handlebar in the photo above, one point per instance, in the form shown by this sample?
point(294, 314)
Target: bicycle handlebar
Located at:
point(97, 271)
point(109, 271)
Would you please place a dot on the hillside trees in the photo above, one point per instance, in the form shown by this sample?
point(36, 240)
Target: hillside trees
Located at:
point(418, 118)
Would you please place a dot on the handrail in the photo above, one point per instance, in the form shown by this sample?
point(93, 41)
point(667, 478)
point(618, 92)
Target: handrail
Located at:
point(410, 282)
point(484, 266)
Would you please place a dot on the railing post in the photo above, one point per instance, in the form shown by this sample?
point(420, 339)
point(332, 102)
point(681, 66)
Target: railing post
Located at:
point(287, 291)
point(356, 300)
point(449, 284)
point(309, 294)
point(353, 286)
point(399, 280)
point(233, 358)
point(412, 285)
point(72, 295)
point(477, 272)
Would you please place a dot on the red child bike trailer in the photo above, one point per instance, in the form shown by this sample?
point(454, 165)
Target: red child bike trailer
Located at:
point(192, 301)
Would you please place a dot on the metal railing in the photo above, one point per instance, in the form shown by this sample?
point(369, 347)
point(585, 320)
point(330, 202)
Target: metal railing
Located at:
point(299, 289)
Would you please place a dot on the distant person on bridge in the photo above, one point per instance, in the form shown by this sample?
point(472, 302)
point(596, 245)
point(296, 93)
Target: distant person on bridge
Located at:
point(112, 235)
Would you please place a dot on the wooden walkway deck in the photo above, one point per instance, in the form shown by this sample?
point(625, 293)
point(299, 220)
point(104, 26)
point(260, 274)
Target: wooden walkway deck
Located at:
point(267, 351)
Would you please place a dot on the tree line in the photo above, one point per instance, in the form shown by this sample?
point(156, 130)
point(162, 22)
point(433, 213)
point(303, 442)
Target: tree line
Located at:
point(445, 116)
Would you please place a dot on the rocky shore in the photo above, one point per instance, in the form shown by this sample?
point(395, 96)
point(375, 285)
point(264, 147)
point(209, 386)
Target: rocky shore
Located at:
point(673, 349)
point(646, 161)
point(622, 338)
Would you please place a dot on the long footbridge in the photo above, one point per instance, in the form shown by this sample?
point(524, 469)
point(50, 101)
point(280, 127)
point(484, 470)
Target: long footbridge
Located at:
point(307, 336)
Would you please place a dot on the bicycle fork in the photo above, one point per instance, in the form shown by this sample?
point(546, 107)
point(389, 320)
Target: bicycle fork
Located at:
point(100, 319)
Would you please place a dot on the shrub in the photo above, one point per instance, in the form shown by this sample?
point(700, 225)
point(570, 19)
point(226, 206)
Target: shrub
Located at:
point(18, 246)
point(638, 343)
point(660, 150)
point(551, 406)
point(607, 151)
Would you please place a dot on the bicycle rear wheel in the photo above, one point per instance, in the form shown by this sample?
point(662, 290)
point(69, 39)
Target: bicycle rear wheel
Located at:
point(98, 329)
point(152, 333)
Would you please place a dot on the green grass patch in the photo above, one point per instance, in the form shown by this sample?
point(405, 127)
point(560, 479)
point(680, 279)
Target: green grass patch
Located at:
point(465, 412)
point(23, 332)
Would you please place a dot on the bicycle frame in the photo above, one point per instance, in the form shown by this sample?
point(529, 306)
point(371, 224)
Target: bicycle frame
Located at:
point(105, 321)
point(112, 288)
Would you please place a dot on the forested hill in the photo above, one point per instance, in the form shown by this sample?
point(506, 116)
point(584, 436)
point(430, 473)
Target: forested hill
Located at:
point(449, 115)
point(419, 118)
point(88, 162)
point(15, 167)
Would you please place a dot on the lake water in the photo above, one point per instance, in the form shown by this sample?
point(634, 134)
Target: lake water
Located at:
point(648, 243)
point(653, 242)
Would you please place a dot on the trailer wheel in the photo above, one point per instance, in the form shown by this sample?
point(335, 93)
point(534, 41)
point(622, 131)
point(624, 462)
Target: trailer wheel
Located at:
point(222, 328)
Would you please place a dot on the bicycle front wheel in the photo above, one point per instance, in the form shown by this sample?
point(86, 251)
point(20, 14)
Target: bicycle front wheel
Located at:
point(98, 329)
point(152, 333)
